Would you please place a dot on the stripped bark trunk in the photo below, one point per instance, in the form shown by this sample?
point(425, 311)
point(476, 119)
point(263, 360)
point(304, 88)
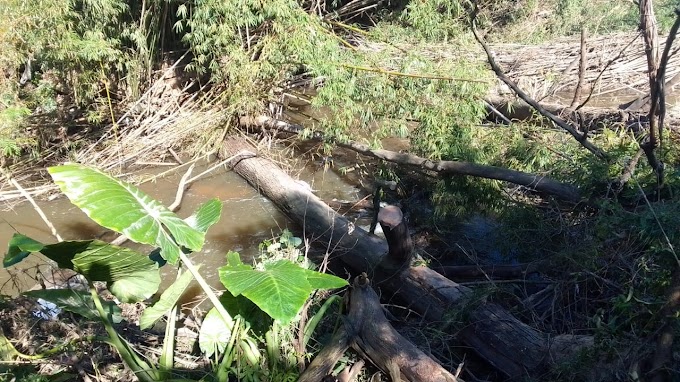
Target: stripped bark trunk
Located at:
point(511, 346)
point(396, 233)
point(585, 120)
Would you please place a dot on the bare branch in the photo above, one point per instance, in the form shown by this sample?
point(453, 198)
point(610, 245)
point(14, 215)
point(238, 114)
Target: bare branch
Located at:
point(581, 138)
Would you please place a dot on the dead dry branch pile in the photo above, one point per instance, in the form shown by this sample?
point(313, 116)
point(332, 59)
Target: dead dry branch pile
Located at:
point(547, 69)
point(553, 67)
point(166, 120)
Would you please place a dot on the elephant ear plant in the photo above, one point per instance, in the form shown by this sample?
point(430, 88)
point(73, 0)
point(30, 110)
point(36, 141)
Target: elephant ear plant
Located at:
point(280, 289)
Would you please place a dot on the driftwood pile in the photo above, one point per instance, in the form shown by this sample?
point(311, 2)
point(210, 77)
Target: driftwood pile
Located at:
point(615, 63)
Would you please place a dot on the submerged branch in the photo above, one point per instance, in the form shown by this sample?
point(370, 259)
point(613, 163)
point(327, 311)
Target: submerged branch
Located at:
point(539, 183)
point(37, 209)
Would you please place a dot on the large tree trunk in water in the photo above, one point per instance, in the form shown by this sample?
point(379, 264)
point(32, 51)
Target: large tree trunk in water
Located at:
point(514, 348)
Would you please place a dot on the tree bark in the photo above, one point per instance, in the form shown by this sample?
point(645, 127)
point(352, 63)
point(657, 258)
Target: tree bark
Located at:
point(585, 119)
point(396, 233)
point(513, 347)
point(368, 332)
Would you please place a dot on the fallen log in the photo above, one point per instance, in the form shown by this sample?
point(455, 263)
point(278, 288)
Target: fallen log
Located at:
point(564, 191)
point(368, 332)
point(514, 348)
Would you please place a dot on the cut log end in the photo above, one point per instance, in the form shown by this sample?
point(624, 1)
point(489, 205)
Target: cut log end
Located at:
point(401, 247)
point(390, 216)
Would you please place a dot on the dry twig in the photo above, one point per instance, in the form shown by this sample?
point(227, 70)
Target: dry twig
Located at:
point(36, 208)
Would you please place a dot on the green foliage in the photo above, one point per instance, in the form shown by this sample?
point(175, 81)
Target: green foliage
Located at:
point(12, 141)
point(435, 20)
point(69, 38)
point(168, 300)
point(73, 48)
point(280, 288)
point(145, 220)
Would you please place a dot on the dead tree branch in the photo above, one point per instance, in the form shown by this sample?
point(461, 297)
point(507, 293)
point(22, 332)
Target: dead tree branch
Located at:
point(650, 35)
point(581, 69)
point(581, 138)
point(368, 332)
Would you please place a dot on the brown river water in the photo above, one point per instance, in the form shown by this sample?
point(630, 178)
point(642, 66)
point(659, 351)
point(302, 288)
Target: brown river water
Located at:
point(247, 219)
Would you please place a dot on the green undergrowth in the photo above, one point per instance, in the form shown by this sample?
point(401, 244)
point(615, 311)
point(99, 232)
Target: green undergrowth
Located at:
point(248, 334)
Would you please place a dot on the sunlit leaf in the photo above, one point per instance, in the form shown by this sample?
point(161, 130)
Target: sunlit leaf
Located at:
point(206, 215)
point(320, 280)
point(214, 334)
point(123, 208)
point(280, 290)
point(79, 302)
point(168, 299)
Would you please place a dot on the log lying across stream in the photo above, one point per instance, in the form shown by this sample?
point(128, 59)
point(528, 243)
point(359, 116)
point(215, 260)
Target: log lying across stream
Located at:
point(513, 347)
point(540, 183)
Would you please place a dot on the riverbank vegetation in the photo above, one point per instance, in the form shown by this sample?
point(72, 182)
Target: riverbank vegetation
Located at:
point(584, 206)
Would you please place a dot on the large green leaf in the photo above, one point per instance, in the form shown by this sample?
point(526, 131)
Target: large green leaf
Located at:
point(123, 208)
point(168, 299)
point(20, 246)
point(130, 275)
point(206, 215)
point(255, 318)
point(280, 289)
point(320, 280)
point(79, 302)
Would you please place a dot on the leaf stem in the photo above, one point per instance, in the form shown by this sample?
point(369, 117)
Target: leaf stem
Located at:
point(228, 320)
point(141, 369)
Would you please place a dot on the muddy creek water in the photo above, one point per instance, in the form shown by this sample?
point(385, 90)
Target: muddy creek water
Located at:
point(247, 219)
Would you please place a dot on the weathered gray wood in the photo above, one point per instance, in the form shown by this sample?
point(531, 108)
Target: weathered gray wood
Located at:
point(396, 233)
point(369, 333)
point(515, 348)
